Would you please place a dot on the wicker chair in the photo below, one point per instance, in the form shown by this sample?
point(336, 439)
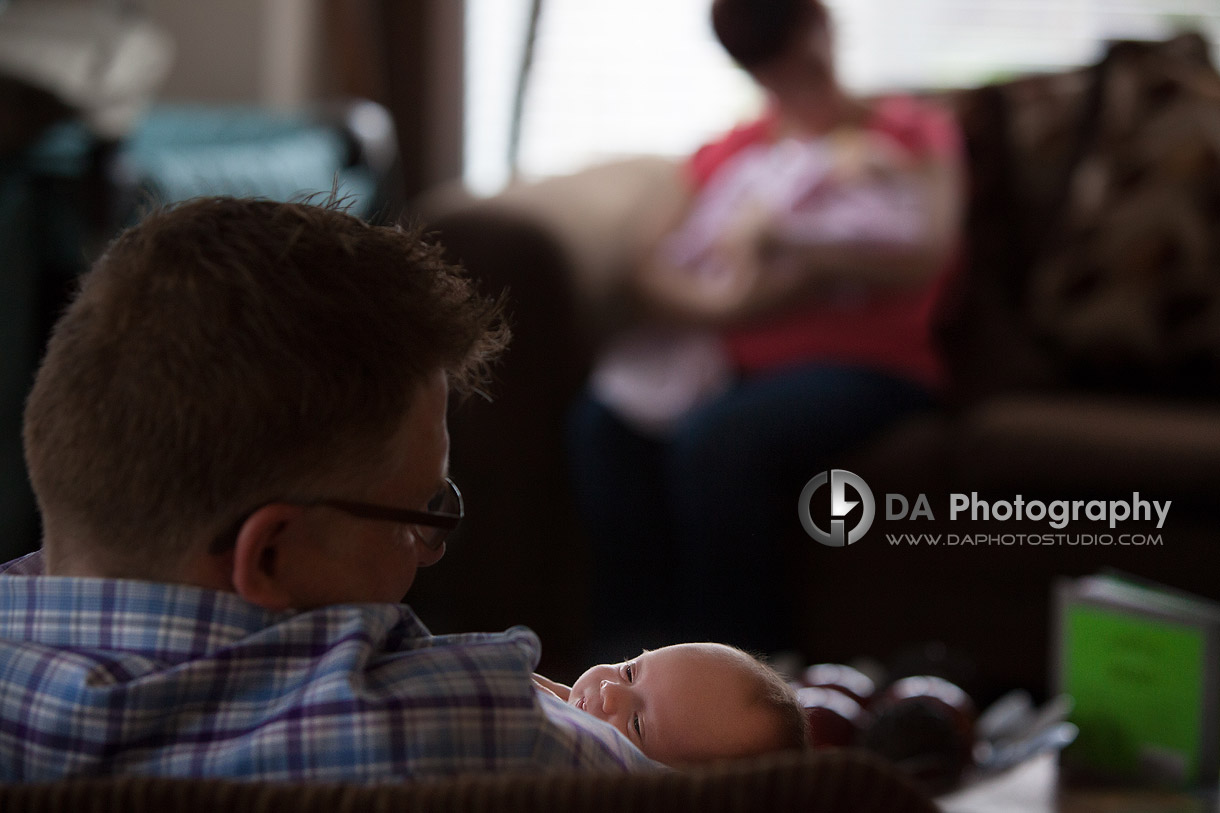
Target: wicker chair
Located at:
point(830, 781)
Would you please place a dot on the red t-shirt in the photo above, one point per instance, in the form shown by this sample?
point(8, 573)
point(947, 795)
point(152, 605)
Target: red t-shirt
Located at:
point(888, 331)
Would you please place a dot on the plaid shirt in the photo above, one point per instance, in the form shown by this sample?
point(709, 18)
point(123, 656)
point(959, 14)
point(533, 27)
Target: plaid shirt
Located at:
point(102, 676)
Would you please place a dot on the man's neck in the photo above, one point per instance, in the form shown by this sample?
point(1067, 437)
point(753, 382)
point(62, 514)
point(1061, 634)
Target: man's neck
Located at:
point(81, 561)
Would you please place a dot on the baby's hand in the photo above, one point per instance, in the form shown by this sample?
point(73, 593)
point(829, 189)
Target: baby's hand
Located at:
point(551, 687)
point(736, 256)
point(864, 155)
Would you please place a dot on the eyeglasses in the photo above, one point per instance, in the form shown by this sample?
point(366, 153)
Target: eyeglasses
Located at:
point(445, 510)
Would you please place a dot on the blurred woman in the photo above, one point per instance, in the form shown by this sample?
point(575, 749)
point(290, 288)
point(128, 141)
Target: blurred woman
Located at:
point(791, 305)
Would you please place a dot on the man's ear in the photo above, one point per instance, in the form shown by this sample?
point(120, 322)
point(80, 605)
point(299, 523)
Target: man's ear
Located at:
point(261, 542)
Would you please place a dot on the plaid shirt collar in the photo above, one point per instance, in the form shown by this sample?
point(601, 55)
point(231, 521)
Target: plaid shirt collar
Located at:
point(165, 622)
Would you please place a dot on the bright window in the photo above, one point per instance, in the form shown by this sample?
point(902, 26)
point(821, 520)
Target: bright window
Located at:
point(619, 77)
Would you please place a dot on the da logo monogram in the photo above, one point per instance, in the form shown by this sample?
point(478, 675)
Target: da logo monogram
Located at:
point(840, 507)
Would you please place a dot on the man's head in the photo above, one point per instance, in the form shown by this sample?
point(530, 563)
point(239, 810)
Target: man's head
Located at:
point(225, 355)
point(692, 703)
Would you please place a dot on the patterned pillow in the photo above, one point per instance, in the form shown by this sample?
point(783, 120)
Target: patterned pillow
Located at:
point(1127, 291)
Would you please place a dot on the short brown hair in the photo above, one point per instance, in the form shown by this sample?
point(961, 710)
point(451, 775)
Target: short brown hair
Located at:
point(226, 352)
point(754, 32)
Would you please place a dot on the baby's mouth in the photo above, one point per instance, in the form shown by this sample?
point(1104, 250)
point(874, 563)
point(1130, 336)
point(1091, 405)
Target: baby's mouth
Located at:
point(580, 704)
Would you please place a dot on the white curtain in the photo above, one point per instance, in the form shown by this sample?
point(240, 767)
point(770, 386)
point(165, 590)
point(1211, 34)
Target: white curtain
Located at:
point(618, 77)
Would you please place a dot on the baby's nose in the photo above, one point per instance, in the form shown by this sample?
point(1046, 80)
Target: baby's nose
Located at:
point(610, 692)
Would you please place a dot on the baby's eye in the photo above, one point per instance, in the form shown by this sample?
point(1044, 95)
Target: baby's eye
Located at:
point(635, 723)
point(627, 670)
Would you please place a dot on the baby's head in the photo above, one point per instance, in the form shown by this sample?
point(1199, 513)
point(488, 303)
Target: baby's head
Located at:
point(692, 703)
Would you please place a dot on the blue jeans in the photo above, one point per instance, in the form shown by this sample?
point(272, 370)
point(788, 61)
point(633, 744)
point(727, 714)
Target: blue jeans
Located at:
point(686, 531)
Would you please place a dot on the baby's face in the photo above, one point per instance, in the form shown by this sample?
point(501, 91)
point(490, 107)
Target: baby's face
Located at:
point(678, 704)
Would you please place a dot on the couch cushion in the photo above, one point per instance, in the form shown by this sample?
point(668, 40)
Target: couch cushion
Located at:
point(1088, 444)
point(1128, 294)
point(603, 216)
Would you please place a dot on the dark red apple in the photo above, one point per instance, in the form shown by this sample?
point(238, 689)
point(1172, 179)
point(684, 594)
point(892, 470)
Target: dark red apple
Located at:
point(934, 690)
point(925, 725)
point(834, 718)
point(843, 678)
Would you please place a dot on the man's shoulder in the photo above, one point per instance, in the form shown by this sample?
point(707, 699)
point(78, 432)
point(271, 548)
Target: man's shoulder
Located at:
point(27, 565)
point(375, 693)
point(470, 702)
point(489, 676)
point(357, 692)
point(492, 672)
point(484, 666)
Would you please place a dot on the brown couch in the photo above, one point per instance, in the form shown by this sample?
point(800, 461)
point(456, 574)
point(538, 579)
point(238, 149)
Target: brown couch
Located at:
point(1083, 340)
point(823, 782)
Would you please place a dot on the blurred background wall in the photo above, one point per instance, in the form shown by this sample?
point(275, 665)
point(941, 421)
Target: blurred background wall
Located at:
point(292, 53)
point(262, 51)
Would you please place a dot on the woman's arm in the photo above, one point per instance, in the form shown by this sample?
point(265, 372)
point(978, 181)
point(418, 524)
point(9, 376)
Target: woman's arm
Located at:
point(936, 184)
point(763, 269)
point(680, 294)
